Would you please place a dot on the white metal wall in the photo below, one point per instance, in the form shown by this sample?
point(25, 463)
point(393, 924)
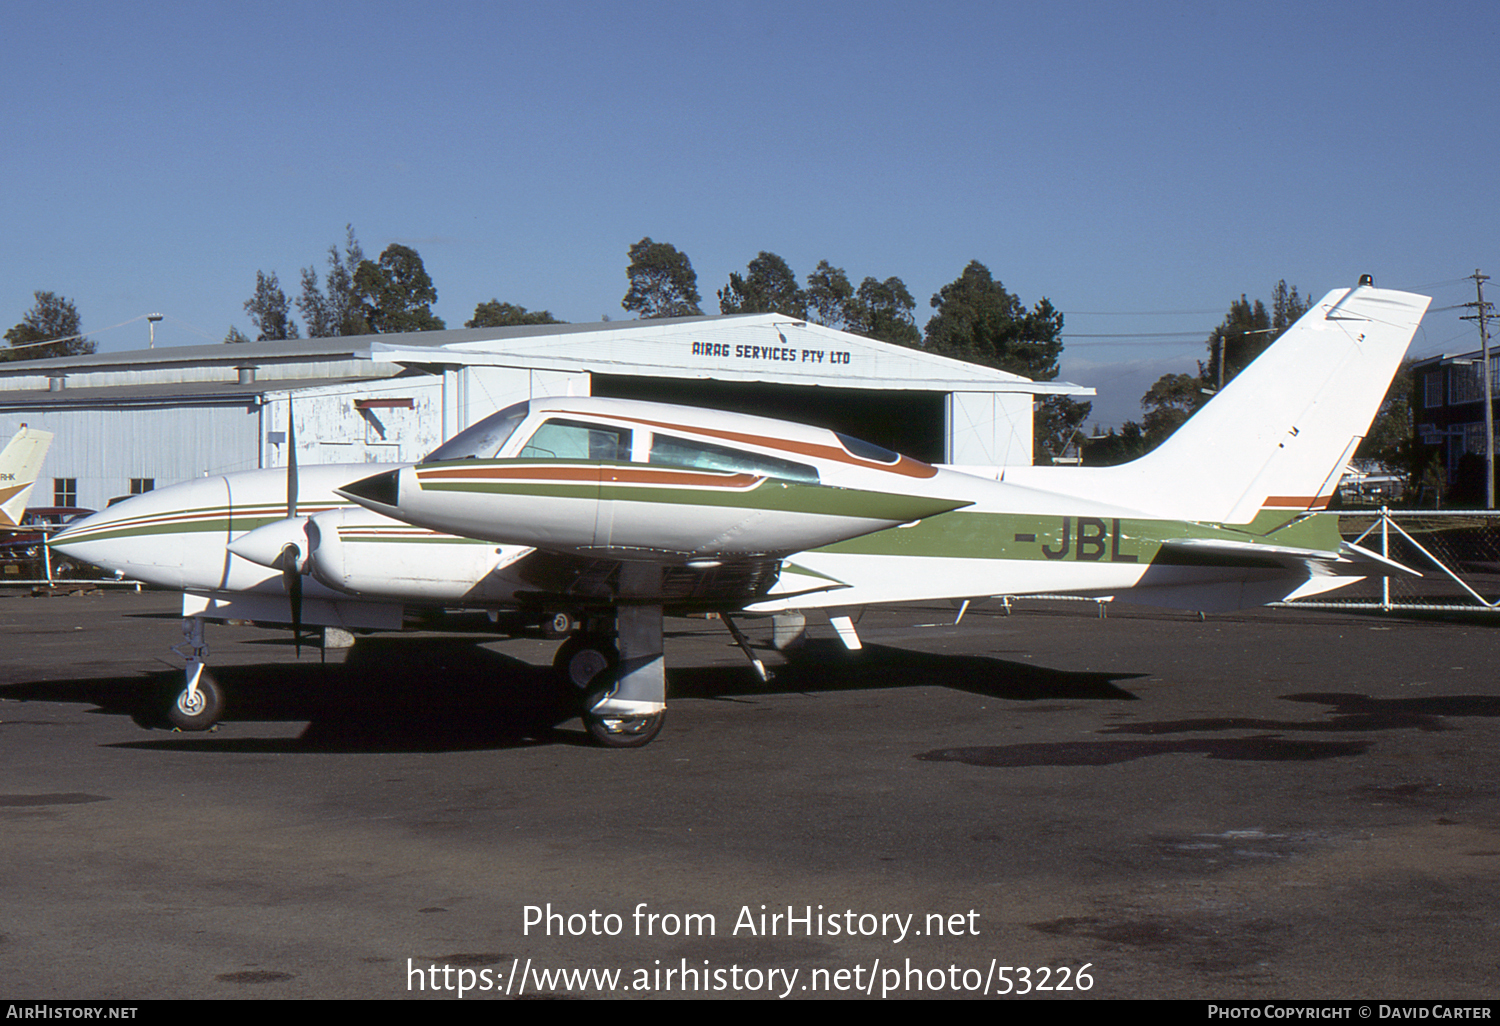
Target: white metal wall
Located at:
point(989, 428)
point(331, 429)
point(104, 448)
point(483, 390)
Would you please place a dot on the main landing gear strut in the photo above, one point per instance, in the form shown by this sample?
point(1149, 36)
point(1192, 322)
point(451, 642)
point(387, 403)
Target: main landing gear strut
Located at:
point(614, 674)
point(618, 683)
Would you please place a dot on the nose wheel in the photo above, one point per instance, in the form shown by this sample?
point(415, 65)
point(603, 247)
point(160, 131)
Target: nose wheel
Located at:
point(197, 707)
point(200, 703)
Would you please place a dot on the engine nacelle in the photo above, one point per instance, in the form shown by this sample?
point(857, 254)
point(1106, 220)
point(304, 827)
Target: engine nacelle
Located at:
point(362, 553)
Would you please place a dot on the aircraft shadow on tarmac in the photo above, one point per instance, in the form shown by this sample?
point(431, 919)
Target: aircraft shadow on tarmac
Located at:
point(424, 694)
point(822, 665)
point(1347, 713)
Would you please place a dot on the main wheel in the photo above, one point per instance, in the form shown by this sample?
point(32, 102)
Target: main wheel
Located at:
point(611, 730)
point(202, 711)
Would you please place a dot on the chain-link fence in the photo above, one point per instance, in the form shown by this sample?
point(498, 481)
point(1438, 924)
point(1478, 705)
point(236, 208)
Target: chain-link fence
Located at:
point(1457, 552)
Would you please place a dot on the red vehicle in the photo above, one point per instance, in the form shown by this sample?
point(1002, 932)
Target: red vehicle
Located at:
point(21, 550)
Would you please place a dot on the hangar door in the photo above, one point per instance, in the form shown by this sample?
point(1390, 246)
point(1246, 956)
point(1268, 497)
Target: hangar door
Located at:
point(909, 422)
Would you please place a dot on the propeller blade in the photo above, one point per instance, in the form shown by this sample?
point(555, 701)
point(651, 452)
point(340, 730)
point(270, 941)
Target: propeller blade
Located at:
point(291, 462)
point(291, 580)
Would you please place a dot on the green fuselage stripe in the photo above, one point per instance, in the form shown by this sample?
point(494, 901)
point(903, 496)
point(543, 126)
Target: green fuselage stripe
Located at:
point(1085, 539)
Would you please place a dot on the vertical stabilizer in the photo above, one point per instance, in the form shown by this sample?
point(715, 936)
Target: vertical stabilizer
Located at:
point(1276, 436)
point(20, 463)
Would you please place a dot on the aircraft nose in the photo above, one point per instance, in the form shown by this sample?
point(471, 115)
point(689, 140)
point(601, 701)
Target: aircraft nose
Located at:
point(155, 536)
point(382, 489)
point(113, 522)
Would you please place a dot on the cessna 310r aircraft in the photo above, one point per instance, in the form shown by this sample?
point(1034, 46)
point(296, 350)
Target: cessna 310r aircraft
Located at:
point(627, 511)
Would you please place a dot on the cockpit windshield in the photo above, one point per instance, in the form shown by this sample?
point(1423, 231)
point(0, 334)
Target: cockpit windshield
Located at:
point(483, 440)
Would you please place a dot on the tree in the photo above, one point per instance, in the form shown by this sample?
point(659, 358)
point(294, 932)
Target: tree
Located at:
point(51, 317)
point(1058, 420)
point(496, 314)
point(1168, 403)
point(1116, 447)
point(1246, 332)
point(1244, 335)
point(883, 310)
point(1287, 307)
point(828, 294)
point(396, 294)
point(1389, 437)
point(979, 321)
point(336, 311)
point(662, 282)
point(769, 286)
point(236, 336)
point(269, 310)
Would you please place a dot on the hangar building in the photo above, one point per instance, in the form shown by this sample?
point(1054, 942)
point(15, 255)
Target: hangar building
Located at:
point(126, 422)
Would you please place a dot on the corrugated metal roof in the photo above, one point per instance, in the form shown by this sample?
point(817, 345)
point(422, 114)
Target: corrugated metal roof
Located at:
point(217, 393)
point(335, 347)
point(748, 347)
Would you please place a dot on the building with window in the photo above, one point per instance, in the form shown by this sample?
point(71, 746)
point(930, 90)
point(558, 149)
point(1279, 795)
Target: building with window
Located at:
point(1448, 410)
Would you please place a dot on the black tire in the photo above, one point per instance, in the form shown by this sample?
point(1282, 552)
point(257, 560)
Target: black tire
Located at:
point(618, 731)
point(202, 714)
point(582, 658)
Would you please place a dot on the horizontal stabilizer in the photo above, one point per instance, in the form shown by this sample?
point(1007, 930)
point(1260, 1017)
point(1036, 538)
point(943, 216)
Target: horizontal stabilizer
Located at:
point(1349, 561)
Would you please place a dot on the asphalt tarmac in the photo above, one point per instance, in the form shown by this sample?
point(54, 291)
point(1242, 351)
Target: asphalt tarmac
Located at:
point(1273, 804)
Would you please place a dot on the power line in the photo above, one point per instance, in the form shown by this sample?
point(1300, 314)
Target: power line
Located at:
point(1139, 313)
point(86, 334)
point(1142, 334)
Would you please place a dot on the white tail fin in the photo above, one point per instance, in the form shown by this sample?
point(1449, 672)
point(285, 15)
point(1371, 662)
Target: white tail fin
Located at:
point(20, 463)
point(1280, 433)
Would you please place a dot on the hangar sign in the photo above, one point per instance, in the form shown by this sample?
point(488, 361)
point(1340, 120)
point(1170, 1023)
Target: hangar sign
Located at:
point(739, 351)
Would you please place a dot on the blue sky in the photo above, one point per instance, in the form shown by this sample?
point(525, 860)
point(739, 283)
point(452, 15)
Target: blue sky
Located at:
point(1141, 165)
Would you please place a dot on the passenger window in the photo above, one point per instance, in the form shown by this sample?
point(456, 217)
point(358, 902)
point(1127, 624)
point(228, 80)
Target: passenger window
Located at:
point(681, 452)
point(571, 440)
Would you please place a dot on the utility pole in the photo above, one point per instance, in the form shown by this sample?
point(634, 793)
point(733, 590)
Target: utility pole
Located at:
point(1481, 312)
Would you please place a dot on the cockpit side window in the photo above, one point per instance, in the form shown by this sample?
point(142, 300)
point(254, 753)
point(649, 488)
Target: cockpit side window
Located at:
point(483, 439)
point(682, 452)
point(574, 440)
point(867, 450)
